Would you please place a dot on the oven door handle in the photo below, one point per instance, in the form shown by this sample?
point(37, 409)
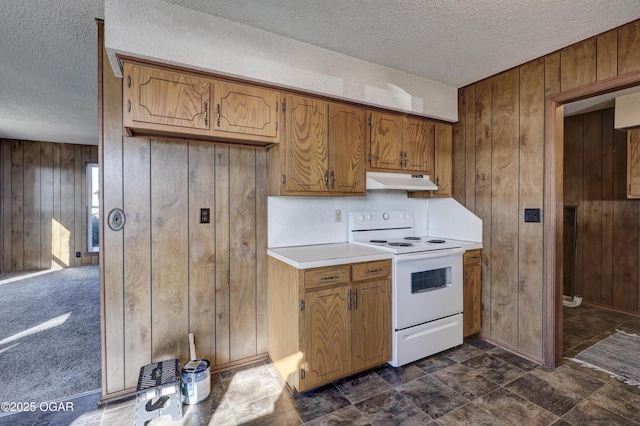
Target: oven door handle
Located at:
point(428, 254)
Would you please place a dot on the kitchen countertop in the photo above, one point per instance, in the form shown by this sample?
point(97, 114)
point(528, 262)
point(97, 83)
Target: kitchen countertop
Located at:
point(314, 256)
point(470, 245)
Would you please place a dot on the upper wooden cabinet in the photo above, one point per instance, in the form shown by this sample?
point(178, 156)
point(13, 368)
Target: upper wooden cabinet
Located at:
point(306, 145)
point(385, 146)
point(347, 130)
point(418, 141)
point(322, 150)
point(178, 104)
point(244, 110)
point(323, 143)
point(401, 143)
point(158, 99)
point(443, 164)
point(443, 167)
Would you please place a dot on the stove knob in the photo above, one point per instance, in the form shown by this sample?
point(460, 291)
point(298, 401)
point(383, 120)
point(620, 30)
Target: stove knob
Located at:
point(385, 216)
point(360, 218)
point(369, 217)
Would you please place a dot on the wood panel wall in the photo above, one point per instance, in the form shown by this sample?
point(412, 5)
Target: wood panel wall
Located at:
point(607, 243)
point(498, 172)
point(166, 274)
point(44, 204)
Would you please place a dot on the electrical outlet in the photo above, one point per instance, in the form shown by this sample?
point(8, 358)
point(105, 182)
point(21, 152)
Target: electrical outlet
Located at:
point(532, 215)
point(338, 216)
point(205, 215)
point(78, 254)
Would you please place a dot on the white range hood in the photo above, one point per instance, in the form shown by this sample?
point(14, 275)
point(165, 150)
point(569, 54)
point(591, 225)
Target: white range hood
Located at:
point(399, 181)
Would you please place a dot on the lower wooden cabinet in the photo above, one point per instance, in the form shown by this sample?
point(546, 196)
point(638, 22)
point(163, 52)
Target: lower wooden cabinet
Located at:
point(371, 324)
point(327, 334)
point(325, 324)
point(472, 295)
point(633, 163)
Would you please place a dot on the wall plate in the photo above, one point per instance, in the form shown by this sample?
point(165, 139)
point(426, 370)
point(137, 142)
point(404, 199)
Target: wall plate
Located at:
point(532, 215)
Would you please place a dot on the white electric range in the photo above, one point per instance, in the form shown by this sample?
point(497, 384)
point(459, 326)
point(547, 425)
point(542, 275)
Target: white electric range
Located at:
point(427, 283)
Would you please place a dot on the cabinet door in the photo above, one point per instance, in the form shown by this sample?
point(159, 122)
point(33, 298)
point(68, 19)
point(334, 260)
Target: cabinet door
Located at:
point(371, 323)
point(471, 294)
point(418, 144)
point(347, 131)
point(443, 160)
point(165, 98)
point(386, 141)
point(306, 146)
point(328, 336)
point(244, 112)
point(633, 163)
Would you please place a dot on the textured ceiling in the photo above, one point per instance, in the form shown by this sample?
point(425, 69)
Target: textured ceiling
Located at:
point(450, 41)
point(48, 57)
point(48, 70)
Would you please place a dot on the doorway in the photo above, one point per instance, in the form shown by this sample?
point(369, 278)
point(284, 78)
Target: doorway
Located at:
point(554, 205)
point(49, 286)
point(600, 226)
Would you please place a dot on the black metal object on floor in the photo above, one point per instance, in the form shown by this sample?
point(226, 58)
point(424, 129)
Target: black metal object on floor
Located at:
point(158, 392)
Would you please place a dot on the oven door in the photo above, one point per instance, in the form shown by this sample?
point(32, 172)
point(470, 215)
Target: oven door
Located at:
point(427, 286)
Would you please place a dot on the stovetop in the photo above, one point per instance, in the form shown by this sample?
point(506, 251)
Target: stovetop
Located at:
point(411, 244)
point(393, 231)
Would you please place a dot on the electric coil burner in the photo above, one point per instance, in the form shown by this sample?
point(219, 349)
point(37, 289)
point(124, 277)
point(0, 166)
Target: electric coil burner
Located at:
point(427, 283)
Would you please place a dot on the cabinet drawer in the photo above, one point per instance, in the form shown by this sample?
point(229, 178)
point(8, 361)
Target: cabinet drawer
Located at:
point(319, 277)
point(472, 257)
point(369, 270)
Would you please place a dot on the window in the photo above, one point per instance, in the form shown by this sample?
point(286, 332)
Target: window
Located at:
point(93, 208)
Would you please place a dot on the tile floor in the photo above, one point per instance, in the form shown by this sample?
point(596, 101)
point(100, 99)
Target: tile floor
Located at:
point(474, 384)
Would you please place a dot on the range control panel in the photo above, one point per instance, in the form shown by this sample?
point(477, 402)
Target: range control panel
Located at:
point(359, 221)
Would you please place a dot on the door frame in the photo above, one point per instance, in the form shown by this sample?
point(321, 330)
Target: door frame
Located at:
point(553, 205)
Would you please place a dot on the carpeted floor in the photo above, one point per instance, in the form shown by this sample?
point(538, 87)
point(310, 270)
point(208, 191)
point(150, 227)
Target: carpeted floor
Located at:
point(49, 334)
